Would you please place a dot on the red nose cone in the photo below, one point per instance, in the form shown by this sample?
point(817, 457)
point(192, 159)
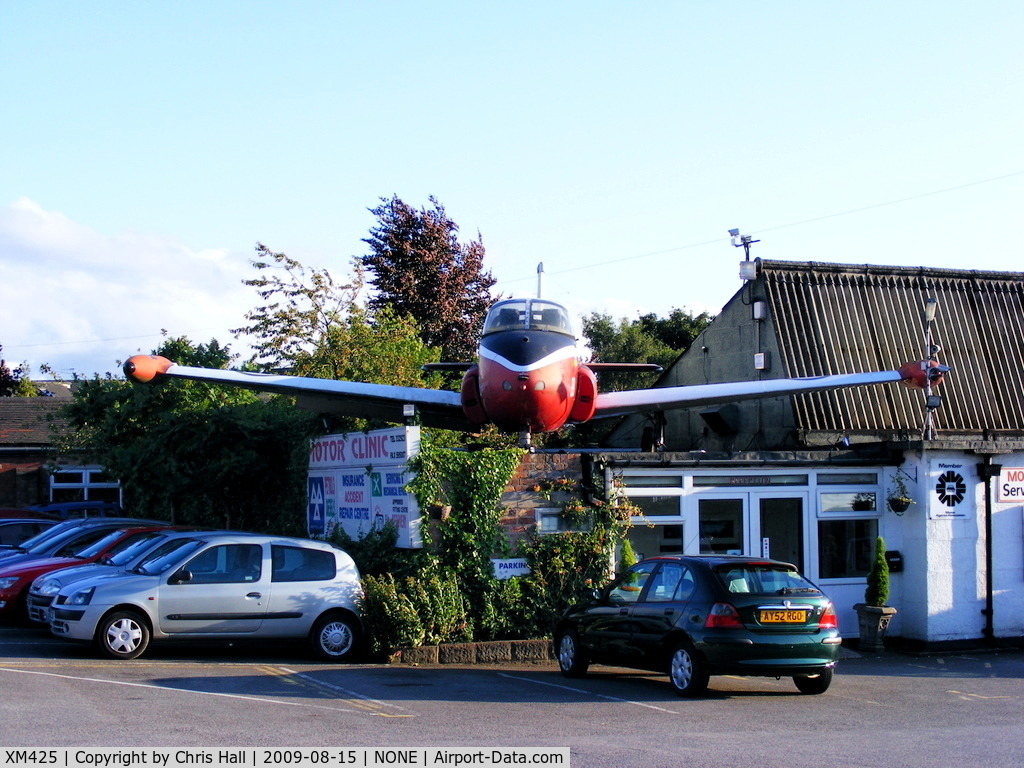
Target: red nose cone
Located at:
point(146, 367)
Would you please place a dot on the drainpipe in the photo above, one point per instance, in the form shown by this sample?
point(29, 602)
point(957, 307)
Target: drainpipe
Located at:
point(986, 472)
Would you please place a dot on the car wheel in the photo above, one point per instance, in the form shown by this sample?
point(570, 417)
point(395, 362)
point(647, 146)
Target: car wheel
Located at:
point(122, 635)
point(334, 638)
point(572, 659)
point(686, 672)
point(814, 683)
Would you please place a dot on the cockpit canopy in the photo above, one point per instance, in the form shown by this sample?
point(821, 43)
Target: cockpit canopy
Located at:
point(528, 315)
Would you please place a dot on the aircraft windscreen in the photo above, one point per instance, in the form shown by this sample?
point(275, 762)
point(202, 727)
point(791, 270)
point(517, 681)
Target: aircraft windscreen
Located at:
point(528, 315)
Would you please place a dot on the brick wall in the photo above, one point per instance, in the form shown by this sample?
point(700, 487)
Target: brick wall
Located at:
point(520, 501)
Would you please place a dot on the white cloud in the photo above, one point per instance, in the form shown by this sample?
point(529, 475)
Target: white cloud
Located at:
point(77, 299)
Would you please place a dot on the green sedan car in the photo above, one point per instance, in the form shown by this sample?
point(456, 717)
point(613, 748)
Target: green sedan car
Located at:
point(694, 616)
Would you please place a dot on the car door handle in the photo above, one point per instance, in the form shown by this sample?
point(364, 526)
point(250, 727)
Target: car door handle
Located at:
point(623, 611)
point(254, 594)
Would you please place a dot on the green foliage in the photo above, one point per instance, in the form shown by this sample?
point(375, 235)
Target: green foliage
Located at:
point(15, 383)
point(627, 556)
point(303, 305)
point(435, 594)
point(425, 608)
point(471, 483)
point(375, 552)
point(648, 339)
point(564, 567)
point(389, 615)
point(421, 270)
point(877, 592)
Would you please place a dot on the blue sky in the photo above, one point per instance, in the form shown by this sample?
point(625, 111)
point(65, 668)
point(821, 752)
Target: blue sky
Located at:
point(145, 148)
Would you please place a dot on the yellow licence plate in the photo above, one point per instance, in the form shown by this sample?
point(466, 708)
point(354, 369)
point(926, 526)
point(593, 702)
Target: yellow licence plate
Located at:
point(783, 617)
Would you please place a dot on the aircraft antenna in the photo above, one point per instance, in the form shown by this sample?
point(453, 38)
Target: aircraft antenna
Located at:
point(540, 273)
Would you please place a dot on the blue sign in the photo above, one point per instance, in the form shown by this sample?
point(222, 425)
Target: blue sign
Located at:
point(316, 511)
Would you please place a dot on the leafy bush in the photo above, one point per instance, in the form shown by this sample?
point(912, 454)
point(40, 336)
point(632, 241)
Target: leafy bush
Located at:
point(389, 616)
point(877, 592)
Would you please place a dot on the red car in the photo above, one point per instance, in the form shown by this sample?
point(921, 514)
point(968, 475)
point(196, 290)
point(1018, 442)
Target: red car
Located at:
point(16, 579)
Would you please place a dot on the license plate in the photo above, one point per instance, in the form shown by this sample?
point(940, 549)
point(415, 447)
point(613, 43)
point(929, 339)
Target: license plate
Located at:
point(783, 616)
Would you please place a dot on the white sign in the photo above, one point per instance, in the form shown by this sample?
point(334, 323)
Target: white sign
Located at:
point(1011, 485)
point(381, 447)
point(506, 568)
point(948, 497)
point(357, 481)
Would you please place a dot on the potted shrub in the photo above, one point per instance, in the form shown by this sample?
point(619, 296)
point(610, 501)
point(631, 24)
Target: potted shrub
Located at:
point(899, 498)
point(873, 615)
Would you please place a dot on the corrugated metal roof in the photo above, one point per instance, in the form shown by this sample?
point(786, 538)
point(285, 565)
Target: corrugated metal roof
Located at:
point(839, 318)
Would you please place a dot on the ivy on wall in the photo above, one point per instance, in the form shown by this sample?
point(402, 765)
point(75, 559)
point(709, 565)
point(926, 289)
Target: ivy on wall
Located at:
point(470, 484)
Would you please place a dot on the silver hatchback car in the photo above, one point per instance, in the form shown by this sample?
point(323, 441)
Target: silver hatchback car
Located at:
point(231, 587)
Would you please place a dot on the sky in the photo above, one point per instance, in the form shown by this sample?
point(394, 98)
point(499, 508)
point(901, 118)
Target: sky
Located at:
point(146, 148)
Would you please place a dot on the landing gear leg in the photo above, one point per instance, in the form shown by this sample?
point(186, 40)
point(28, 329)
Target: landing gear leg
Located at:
point(524, 440)
point(653, 439)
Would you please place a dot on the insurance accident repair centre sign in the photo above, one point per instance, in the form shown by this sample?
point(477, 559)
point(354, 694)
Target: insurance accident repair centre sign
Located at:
point(357, 481)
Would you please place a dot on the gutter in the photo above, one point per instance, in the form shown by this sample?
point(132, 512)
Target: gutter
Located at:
point(987, 471)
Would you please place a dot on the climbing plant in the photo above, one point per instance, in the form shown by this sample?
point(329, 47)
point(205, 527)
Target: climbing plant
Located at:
point(471, 484)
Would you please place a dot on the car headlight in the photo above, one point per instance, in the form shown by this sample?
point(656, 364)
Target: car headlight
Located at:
point(81, 597)
point(47, 587)
point(8, 581)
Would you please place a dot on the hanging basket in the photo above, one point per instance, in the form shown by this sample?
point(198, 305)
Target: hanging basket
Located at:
point(898, 505)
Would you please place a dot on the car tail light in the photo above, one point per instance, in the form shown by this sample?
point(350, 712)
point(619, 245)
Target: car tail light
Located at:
point(723, 616)
point(828, 619)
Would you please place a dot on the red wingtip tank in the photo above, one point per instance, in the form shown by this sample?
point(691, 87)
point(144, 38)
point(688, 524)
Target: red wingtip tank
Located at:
point(145, 368)
point(916, 375)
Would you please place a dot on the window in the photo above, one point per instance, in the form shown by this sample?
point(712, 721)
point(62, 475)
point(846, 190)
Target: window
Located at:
point(300, 564)
point(762, 580)
point(627, 588)
point(83, 484)
point(862, 501)
point(631, 480)
point(657, 506)
point(845, 547)
point(226, 564)
point(554, 520)
point(673, 582)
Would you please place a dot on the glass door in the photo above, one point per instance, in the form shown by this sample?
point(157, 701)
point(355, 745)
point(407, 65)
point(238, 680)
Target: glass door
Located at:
point(721, 523)
point(780, 532)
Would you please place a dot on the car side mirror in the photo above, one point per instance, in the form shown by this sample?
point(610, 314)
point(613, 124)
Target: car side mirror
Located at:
point(596, 594)
point(180, 577)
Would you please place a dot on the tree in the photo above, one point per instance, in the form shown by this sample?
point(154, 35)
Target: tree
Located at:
point(15, 383)
point(420, 269)
point(648, 339)
point(678, 330)
point(304, 305)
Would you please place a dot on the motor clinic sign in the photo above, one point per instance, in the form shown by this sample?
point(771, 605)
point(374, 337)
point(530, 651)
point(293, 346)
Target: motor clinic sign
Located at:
point(1011, 485)
point(357, 481)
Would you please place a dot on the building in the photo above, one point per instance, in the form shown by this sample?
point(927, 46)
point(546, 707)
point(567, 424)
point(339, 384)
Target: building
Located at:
point(29, 474)
point(809, 478)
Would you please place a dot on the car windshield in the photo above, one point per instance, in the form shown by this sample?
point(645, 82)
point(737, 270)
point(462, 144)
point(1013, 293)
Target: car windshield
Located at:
point(166, 555)
point(46, 535)
point(133, 549)
point(56, 542)
point(763, 579)
point(94, 548)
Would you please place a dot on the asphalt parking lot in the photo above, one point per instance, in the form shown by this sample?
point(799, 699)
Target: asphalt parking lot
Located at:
point(963, 709)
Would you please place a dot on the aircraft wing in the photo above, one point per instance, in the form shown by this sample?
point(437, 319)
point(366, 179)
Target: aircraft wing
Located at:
point(667, 398)
point(435, 407)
